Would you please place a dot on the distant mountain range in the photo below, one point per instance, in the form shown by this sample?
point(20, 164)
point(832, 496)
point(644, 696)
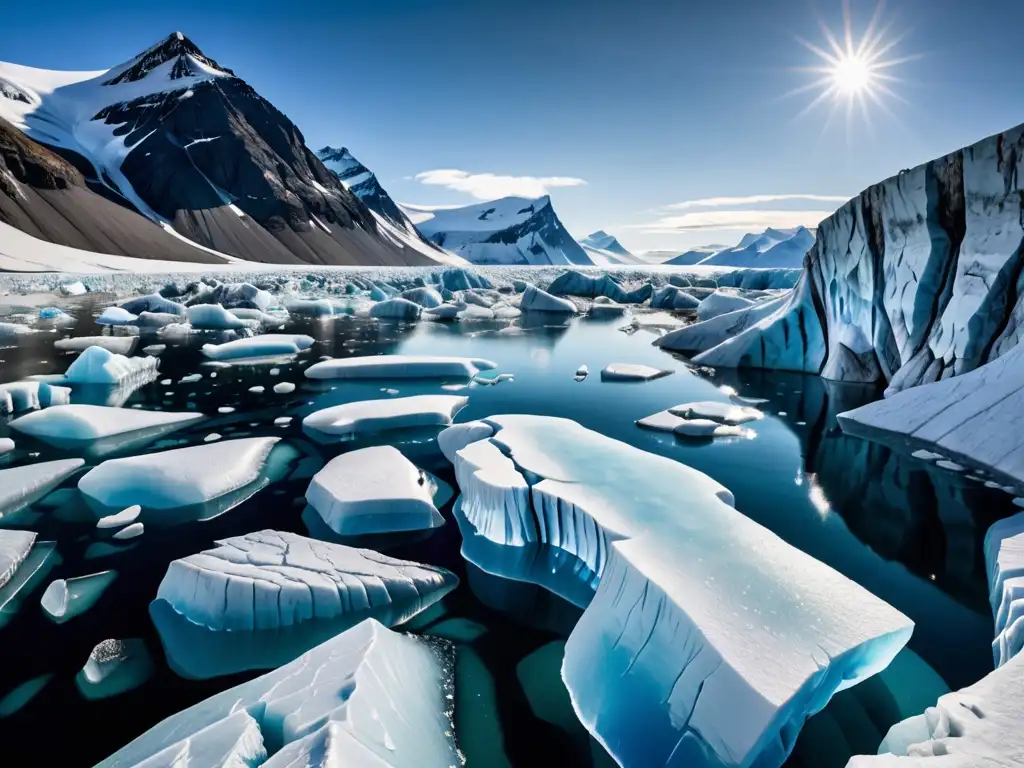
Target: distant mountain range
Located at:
point(605, 250)
point(172, 156)
point(771, 248)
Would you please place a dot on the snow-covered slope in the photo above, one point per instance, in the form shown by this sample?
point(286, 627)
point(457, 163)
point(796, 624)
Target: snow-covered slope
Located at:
point(512, 230)
point(770, 249)
point(605, 250)
point(187, 144)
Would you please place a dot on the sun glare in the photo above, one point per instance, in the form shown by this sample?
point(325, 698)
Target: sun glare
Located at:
point(852, 74)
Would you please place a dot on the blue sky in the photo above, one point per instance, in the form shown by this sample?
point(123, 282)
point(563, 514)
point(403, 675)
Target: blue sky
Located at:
point(626, 112)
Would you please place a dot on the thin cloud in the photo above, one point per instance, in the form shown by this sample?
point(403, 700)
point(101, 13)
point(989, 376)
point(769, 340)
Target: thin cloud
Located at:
point(490, 186)
point(750, 220)
point(724, 202)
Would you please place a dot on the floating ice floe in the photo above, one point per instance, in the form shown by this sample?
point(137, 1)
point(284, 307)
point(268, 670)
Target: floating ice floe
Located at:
point(726, 413)
point(14, 548)
point(6, 445)
point(399, 367)
point(114, 667)
point(368, 696)
point(97, 365)
point(1004, 563)
point(605, 307)
point(257, 390)
point(20, 486)
point(975, 727)
point(379, 415)
point(396, 309)
point(631, 372)
point(121, 345)
point(491, 380)
point(373, 490)
point(125, 517)
point(506, 312)
point(153, 302)
point(709, 639)
point(536, 300)
point(214, 317)
point(284, 388)
point(267, 345)
point(178, 477)
point(66, 598)
point(116, 316)
point(21, 396)
point(73, 424)
point(310, 307)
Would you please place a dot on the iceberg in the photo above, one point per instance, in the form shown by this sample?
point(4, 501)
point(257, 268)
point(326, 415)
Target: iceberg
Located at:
point(574, 283)
point(121, 345)
point(21, 396)
point(178, 477)
point(607, 308)
point(116, 316)
point(124, 517)
point(425, 297)
point(153, 303)
point(214, 317)
point(670, 421)
point(387, 693)
point(271, 579)
point(1004, 563)
point(456, 437)
point(373, 490)
point(97, 365)
point(70, 424)
point(536, 300)
point(443, 312)
point(975, 727)
point(14, 548)
point(66, 598)
point(158, 320)
point(673, 297)
point(709, 640)
point(114, 667)
point(702, 336)
point(396, 309)
point(721, 302)
point(268, 345)
point(399, 367)
point(21, 486)
point(380, 415)
point(631, 372)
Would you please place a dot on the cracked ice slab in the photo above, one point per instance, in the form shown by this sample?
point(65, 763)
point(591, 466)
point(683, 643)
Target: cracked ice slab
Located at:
point(399, 367)
point(179, 477)
point(709, 639)
point(381, 695)
point(373, 490)
point(379, 415)
point(975, 727)
point(271, 579)
point(1004, 563)
point(976, 416)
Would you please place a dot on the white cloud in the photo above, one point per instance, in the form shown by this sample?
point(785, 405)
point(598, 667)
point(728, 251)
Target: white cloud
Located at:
point(489, 186)
point(725, 202)
point(750, 220)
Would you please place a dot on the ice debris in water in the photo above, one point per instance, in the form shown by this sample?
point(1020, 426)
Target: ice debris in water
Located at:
point(214, 317)
point(121, 345)
point(97, 365)
point(154, 349)
point(153, 302)
point(21, 396)
point(268, 345)
point(20, 486)
point(116, 316)
point(130, 532)
point(66, 598)
point(124, 517)
point(284, 388)
point(114, 667)
point(6, 445)
point(399, 367)
point(373, 490)
point(709, 640)
point(368, 696)
point(631, 372)
point(271, 579)
point(396, 309)
point(178, 477)
point(365, 416)
point(726, 413)
point(63, 423)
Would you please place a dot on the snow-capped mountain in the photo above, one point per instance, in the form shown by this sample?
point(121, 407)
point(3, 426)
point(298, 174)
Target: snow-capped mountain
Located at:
point(773, 248)
point(362, 182)
point(180, 139)
point(512, 230)
point(605, 250)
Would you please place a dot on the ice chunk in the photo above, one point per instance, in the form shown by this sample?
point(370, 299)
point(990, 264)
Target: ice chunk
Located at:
point(607, 308)
point(114, 667)
point(721, 302)
point(271, 344)
point(97, 365)
point(116, 316)
point(75, 288)
point(310, 307)
point(443, 312)
point(536, 300)
point(284, 388)
point(56, 313)
point(458, 436)
point(1004, 563)
point(270, 579)
point(725, 413)
point(425, 297)
point(68, 424)
point(215, 317)
point(121, 345)
point(130, 532)
point(14, 548)
point(257, 390)
point(583, 371)
point(475, 312)
point(385, 691)
point(179, 477)
point(154, 302)
point(976, 727)
point(672, 297)
point(124, 517)
point(6, 445)
point(631, 372)
point(159, 320)
point(66, 598)
point(574, 283)
point(373, 490)
point(397, 309)
point(20, 486)
point(709, 639)
point(399, 367)
point(380, 415)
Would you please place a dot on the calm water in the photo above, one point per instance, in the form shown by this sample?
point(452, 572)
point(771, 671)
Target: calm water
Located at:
point(909, 533)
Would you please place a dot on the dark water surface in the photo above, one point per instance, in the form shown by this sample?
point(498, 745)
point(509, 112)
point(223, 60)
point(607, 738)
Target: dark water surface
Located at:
point(905, 530)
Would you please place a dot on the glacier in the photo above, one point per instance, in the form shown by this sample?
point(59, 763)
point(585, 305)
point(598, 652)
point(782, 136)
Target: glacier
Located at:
point(385, 691)
point(373, 490)
point(699, 613)
point(1004, 564)
point(366, 416)
point(399, 367)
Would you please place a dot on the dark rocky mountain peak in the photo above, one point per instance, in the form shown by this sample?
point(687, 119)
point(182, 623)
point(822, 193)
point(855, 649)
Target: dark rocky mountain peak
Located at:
point(176, 48)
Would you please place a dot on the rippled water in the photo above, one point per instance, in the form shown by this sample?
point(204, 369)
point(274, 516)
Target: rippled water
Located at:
point(908, 532)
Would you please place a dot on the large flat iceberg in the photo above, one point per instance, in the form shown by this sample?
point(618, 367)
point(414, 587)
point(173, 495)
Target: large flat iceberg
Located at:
point(386, 692)
point(20, 486)
point(380, 415)
point(709, 639)
point(74, 422)
point(267, 345)
point(399, 367)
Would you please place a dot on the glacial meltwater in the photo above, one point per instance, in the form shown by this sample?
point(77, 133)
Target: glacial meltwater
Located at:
point(908, 531)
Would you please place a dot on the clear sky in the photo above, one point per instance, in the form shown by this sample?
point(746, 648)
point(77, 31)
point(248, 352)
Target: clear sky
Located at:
point(626, 112)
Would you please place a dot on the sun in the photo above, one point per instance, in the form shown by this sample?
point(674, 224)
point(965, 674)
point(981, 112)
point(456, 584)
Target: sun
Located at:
point(852, 74)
